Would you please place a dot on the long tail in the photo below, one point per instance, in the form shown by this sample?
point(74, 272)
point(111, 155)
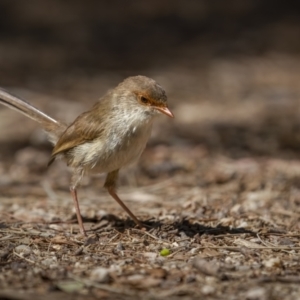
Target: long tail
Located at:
point(53, 127)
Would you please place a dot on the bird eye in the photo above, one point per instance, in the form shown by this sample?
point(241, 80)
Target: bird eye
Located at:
point(144, 100)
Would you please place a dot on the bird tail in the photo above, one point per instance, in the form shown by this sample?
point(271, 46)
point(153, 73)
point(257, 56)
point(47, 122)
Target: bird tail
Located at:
point(53, 127)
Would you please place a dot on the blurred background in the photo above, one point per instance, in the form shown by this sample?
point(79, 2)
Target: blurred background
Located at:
point(231, 69)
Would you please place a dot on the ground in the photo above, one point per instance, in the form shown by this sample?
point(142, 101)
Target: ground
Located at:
point(218, 186)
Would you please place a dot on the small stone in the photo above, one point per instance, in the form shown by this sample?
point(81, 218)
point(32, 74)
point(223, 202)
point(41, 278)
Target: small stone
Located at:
point(194, 250)
point(150, 255)
point(272, 262)
point(208, 289)
point(120, 247)
point(49, 262)
point(100, 275)
point(243, 224)
point(206, 267)
point(23, 250)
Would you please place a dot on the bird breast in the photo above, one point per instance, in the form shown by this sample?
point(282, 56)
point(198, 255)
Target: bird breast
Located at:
point(120, 146)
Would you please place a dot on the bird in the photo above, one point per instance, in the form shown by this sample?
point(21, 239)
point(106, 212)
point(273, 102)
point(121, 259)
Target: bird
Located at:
point(104, 139)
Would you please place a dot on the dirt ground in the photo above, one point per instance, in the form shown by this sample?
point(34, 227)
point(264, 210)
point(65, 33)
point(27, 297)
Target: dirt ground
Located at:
point(218, 187)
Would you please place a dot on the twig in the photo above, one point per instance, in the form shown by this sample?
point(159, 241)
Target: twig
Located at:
point(153, 236)
point(265, 243)
point(26, 259)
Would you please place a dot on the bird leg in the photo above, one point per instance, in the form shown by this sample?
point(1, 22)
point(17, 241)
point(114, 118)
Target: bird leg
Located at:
point(77, 175)
point(78, 214)
point(110, 185)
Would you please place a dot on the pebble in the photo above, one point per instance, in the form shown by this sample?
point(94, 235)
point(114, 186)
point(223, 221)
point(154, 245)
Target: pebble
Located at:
point(100, 275)
point(23, 250)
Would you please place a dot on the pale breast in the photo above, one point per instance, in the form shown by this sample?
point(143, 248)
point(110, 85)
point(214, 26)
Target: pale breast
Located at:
point(121, 147)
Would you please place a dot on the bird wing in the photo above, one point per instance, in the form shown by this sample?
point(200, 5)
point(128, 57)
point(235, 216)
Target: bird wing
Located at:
point(82, 130)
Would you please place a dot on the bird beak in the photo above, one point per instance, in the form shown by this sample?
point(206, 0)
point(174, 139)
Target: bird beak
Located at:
point(165, 110)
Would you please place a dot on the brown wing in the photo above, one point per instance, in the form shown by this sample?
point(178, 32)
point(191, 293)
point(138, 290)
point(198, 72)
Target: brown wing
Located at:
point(85, 128)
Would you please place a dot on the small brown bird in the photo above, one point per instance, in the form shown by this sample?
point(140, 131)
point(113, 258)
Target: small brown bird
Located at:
point(111, 135)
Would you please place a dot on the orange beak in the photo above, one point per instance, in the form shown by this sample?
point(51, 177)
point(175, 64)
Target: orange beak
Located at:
point(165, 111)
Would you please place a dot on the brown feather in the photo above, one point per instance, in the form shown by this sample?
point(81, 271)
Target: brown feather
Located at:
point(82, 130)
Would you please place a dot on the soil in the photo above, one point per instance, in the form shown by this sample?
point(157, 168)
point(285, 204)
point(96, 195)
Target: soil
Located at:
point(218, 187)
